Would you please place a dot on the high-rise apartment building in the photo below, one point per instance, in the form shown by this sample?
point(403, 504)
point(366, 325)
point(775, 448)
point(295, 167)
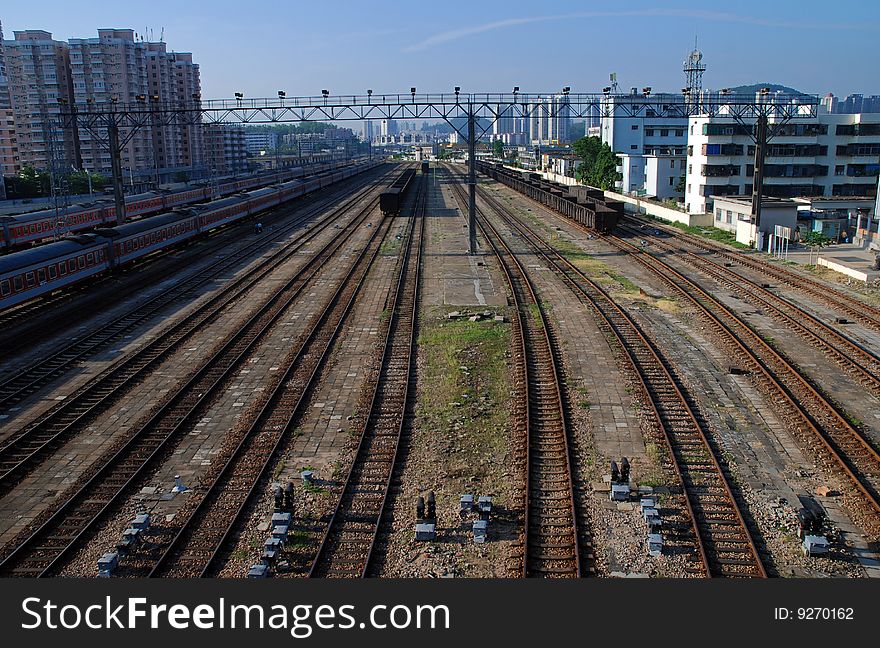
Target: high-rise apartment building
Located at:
point(8, 145)
point(112, 68)
point(38, 71)
point(550, 121)
point(173, 78)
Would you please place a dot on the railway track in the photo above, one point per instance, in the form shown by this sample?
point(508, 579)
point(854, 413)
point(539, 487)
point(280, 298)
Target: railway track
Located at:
point(30, 379)
point(348, 544)
point(724, 541)
point(799, 402)
point(43, 550)
point(25, 449)
point(816, 421)
point(858, 360)
point(824, 293)
point(199, 546)
point(552, 537)
point(25, 316)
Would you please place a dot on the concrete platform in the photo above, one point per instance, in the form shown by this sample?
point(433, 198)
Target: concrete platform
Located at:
point(845, 258)
point(451, 276)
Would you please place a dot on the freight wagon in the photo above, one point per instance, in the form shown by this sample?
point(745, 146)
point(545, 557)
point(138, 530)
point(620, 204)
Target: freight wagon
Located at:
point(585, 205)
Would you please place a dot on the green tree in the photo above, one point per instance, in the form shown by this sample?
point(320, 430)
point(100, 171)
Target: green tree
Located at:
point(79, 182)
point(815, 241)
point(29, 183)
point(498, 149)
point(599, 168)
point(679, 188)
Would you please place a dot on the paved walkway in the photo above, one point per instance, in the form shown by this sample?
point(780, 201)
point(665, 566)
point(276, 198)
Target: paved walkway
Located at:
point(845, 254)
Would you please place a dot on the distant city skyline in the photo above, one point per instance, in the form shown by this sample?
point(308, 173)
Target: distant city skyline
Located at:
point(302, 48)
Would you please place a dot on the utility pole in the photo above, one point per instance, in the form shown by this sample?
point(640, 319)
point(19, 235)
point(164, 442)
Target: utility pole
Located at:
point(758, 177)
point(116, 167)
point(472, 182)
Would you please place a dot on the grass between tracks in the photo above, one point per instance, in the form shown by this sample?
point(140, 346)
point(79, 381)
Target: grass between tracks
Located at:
point(712, 233)
point(466, 388)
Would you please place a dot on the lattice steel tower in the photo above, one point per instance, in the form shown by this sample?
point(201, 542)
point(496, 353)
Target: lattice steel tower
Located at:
point(693, 71)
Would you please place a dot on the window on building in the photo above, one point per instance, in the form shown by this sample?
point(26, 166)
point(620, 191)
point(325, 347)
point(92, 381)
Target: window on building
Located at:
point(690, 168)
point(718, 213)
point(633, 147)
point(671, 164)
point(670, 181)
point(689, 188)
point(649, 132)
point(635, 127)
point(664, 132)
point(839, 169)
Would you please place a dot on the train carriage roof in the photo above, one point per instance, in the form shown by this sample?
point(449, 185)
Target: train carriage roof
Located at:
point(142, 196)
point(259, 193)
point(46, 253)
point(217, 204)
point(144, 225)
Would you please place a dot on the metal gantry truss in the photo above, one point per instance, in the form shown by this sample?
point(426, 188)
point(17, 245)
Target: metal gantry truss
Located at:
point(115, 123)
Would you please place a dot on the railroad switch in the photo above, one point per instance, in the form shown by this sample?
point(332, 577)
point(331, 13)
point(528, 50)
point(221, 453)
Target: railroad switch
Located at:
point(426, 531)
point(481, 531)
point(107, 564)
point(484, 506)
point(619, 492)
point(141, 521)
point(815, 545)
point(281, 518)
point(259, 570)
point(655, 545)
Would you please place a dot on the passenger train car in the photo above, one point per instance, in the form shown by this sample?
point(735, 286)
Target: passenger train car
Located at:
point(27, 229)
point(30, 273)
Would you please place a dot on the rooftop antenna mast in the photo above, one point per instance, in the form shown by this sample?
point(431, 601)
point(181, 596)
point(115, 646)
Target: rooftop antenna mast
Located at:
point(614, 87)
point(693, 72)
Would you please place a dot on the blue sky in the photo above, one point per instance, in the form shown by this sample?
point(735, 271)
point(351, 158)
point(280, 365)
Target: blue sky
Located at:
point(302, 47)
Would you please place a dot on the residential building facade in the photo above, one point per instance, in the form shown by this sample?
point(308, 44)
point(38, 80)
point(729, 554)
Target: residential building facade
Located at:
point(112, 68)
point(225, 149)
point(8, 143)
point(38, 72)
point(260, 140)
point(831, 155)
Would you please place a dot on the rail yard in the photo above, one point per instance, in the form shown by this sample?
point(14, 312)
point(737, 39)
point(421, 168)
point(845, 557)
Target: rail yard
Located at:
point(314, 379)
